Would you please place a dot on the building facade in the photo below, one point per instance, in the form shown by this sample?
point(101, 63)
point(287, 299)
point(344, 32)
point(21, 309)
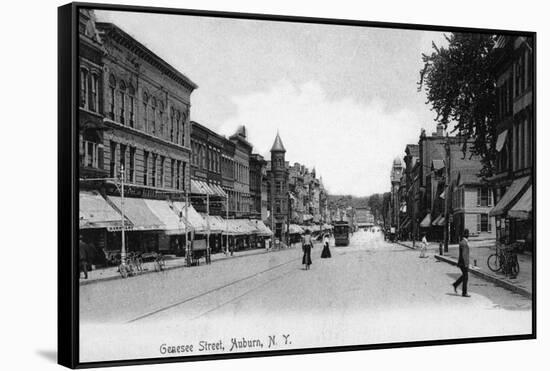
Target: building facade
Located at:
point(257, 169)
point(243, 150)
point(146, 106)
point(278, 188)
point(512, 179)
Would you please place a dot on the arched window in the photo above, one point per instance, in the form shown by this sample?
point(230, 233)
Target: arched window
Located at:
point(122, 100)
point(172, 118)
point(84, 88)
point(145, 100)
point(161, 118)
point(112, 87)
point(182, 131)
point(177, 123)
point(94, 102)
point(153, 114)
point(131, 104)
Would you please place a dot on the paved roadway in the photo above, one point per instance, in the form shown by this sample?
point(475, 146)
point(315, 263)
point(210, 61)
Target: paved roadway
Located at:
point(369, 292)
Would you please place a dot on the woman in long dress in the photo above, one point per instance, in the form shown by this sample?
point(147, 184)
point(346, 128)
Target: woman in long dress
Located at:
point(326, 250)
point(306, 247)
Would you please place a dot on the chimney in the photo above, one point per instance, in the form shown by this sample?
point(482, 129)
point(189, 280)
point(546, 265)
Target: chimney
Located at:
point(440, 130)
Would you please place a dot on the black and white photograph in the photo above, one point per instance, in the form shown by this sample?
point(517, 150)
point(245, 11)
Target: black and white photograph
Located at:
point(248, 185)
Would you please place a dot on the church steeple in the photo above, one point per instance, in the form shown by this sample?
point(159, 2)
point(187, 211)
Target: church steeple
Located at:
point(278, 144)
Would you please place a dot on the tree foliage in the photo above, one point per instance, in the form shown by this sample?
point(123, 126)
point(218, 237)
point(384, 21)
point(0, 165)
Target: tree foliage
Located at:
point(460, 88)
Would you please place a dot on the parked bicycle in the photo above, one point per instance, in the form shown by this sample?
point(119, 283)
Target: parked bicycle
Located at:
point(159, 263)
point(504, 260)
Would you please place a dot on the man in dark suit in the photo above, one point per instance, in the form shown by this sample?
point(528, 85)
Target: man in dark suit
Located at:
point(463, 263)
point(83, 252)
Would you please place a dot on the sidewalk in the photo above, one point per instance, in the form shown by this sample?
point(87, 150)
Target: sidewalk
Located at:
point(479, 252)
point(111, 273)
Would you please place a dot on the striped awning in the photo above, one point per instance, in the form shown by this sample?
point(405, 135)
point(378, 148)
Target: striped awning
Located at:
point(523, 209)
point(427, 221)
point(95, 212)
point(203, 188)
point(139, 214)
point(510, 197)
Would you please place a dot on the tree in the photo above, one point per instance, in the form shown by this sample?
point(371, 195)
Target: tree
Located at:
point(460, 88)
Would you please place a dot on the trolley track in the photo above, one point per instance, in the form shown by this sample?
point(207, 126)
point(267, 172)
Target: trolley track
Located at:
point(216, 290)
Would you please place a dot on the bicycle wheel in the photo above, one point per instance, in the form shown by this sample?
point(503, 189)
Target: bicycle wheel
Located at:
point(493, 262)
point(514, 266)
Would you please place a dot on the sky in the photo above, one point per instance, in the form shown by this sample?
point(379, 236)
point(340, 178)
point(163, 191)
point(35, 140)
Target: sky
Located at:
point(344, 99)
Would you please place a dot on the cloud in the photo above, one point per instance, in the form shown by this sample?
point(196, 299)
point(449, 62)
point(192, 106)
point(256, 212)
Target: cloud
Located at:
point(351, 144)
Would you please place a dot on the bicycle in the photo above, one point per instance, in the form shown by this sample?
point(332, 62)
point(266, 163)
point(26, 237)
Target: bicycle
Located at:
point(504, 260)
point(127, 268)
point(159, 263)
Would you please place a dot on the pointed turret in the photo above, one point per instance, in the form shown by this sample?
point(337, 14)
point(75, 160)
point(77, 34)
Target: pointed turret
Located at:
point(278, 145)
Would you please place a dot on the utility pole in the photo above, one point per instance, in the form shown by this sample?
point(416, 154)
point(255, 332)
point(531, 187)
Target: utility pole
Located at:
point(123, 245)
point(288, 220)
point(227, 222)
point(208, 228)
point(187, 241)
point(447, 193)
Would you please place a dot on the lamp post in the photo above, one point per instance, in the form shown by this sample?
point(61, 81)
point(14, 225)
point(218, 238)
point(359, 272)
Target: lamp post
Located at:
point(123, 244)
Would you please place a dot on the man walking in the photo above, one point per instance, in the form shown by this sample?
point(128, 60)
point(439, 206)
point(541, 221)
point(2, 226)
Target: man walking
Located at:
point(463, 263)
point(83, 257)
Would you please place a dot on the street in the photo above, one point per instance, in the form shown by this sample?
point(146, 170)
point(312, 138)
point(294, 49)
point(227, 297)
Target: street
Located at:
point(369, 292)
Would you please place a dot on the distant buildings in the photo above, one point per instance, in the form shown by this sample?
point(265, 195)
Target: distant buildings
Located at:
point(184, 184)
point(419, 192)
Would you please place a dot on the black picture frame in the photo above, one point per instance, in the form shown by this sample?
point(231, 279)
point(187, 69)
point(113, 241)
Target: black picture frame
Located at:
point(68, 175)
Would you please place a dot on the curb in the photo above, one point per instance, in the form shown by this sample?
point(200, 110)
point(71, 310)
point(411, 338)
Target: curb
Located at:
point(118, 277)
point(407, 246)
point(489, 277)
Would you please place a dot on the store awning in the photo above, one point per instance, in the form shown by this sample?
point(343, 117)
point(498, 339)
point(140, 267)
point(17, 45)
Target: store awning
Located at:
point(510, 197)
point(259, 228)
point(173, 224)
point(219, 191)
point(295, 229)
point(427, 221)
point(523, 209)
point(194, 220)
point(139, 214)
point(217, 223)
point(307, 217)
point(437, 220)
point(501, 140)
point(95, 212)
point(202, 188)
point(441, 222)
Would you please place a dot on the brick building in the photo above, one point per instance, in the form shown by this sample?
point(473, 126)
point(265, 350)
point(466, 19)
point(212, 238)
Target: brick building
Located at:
point(278, 188)
point(512, 180)
point(243, 150)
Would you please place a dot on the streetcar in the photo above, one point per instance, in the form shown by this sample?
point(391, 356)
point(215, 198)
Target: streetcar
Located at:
point(341, 233)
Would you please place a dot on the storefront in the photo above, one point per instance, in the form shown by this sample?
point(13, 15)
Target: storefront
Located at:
point(509, 227)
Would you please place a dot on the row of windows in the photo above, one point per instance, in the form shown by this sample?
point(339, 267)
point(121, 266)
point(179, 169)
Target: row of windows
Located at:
point(158, 170)
point(238, 202)
point(520, 80)
point(154, 118)
point(89, 90)
point(484, 197)
point(517, 151)
point(241, 173)
point(206, 157)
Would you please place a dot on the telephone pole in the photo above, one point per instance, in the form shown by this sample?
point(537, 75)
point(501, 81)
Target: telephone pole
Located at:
point(447, 193)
